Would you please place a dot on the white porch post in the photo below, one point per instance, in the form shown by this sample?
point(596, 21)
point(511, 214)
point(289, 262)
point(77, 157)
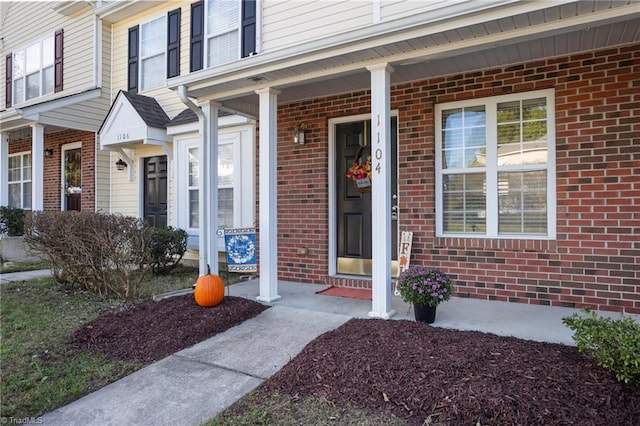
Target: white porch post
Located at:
point(210, 180)
point(381, 190)
point(37, 167)
point(4, 169)
point(268, 150)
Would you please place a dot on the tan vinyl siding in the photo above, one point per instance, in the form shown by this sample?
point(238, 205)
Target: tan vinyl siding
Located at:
point(168, 99)
point(103, 180)
point(292, 22)
point(396, 9)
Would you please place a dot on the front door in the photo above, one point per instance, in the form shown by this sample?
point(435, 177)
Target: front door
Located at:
point(72, 179)
point(354, 207)
point(155, 190)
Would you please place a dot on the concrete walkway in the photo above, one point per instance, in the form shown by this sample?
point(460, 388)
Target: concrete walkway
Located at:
point(195, 384)
point(24, 276)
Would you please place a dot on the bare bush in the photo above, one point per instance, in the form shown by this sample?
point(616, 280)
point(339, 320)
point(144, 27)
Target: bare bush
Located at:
point(105, 254)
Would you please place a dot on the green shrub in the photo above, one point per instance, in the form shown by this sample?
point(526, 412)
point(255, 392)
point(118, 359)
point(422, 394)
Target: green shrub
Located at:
point(613, 343)
point(105, 254)
point(11, 221)
point(168, 245)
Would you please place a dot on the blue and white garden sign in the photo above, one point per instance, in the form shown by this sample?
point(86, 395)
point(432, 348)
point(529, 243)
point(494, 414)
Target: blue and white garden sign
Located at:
point(240, 244)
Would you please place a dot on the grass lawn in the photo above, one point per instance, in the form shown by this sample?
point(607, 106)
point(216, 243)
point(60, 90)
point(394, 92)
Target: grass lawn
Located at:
point(39, 373)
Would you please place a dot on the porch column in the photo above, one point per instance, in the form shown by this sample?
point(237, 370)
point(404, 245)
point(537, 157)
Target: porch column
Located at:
point(268, 225)
point(381, 191)
point(208, 195)
point(37, 167)
point(4, 169)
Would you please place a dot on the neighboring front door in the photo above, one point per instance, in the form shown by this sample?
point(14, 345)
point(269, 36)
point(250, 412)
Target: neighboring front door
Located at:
point(72, 166)
point(155, 190)
point(353, 207)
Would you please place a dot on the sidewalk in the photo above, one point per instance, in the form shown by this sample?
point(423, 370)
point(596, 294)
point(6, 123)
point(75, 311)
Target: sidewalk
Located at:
point(24, 276)
point(195, 384)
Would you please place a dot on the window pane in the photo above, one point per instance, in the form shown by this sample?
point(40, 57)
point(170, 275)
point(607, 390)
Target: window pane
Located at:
point(225, 165)
point(33, 58)
point(222, 16)
point(47, 52)
point(464, 203)
point(464, 137)
point(153, 37)
point(33, 86)
point(153, 72)
point(194, 171)
point(223, 48)
point(522, 202)
point(225, 208)
point(47, 81)
point(26, 167)
point(18, 90)
point(26, 194)
point(14, 195)
point(18, 64)
point(194, 214)
point(534, 109)
point(509, 112)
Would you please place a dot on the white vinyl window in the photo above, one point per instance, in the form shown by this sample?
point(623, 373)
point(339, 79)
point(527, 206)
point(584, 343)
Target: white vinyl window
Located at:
point(236, 190)
point(33, 74)
point(20, 180)
point(223, 31)
point(153, 45)
point(496, 167)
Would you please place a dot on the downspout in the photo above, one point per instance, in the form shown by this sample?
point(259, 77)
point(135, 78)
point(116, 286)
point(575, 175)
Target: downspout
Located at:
point(203, 244)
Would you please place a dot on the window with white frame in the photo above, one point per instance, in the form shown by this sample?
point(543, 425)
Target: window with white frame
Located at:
point(223, 31)
point(33, 71)
point(153, 45)
point(20, 180)
point(236, 179)
point(496, 167)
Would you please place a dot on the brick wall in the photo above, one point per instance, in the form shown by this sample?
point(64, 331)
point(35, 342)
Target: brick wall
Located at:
point(52, 166)
point(595, 259)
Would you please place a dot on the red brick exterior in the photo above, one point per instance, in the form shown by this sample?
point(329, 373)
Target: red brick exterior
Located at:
point(595, 259)
point(52, 166)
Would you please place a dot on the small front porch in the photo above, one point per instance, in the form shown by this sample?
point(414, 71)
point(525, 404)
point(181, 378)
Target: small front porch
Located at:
point(530, 322)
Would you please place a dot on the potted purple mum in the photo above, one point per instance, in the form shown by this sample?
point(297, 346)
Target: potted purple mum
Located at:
point(425, 288)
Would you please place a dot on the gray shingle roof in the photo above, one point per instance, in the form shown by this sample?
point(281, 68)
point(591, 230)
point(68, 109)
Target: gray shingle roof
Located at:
point(149, 109)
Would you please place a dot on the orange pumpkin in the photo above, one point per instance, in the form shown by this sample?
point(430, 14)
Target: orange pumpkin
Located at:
point(209, 290)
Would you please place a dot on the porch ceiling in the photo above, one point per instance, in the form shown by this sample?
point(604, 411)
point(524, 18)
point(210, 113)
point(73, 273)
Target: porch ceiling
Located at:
point(427, 51)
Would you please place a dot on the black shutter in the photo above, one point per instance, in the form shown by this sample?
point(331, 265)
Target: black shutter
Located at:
point(248, 27)
point(173, 43)
point(8, 84)
point(196, 60)
point(57, 67)
point(132, 75)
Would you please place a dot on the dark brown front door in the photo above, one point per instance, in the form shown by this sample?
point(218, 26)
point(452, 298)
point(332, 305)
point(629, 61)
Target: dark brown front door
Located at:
point(354, 208)
point(155, 191)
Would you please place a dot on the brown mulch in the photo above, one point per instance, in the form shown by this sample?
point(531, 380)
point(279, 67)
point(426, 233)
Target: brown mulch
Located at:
point(151, 330)
point(429, 375)
point(422, 374)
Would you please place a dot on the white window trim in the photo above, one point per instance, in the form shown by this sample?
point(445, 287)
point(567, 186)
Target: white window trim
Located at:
point(491, 169)
point(25, 74)
point(243, 177)
point(141, 58)
point(22, 181)
point(208, 36)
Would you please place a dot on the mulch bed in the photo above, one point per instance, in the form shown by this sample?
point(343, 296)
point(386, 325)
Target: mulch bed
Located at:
point(429, 375)
point(151, 330)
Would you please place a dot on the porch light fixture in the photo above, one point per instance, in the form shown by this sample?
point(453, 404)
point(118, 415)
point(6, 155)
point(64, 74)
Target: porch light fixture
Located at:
point(48, 152)
point(298, 133)
point(120, 165)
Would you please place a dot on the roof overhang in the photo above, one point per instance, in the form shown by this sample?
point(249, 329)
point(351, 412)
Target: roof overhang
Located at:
point(58, 113)
point(418, 47)
point(124, 127)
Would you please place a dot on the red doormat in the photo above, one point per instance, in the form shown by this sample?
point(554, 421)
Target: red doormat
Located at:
point(354, 293)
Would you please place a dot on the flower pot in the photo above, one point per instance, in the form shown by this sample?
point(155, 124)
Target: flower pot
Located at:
point(425, 314)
